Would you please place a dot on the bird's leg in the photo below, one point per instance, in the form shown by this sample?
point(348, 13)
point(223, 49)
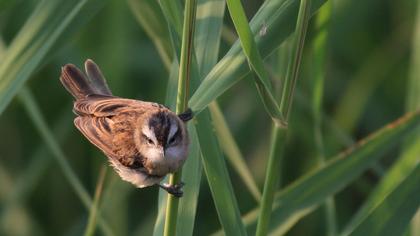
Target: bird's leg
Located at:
point(186, 115)
point(175, 190)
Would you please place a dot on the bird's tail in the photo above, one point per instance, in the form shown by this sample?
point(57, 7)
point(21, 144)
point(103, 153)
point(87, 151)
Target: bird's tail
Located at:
point(81, 86)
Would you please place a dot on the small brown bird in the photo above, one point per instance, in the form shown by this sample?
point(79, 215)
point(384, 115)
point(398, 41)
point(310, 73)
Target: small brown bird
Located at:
point(143, 141)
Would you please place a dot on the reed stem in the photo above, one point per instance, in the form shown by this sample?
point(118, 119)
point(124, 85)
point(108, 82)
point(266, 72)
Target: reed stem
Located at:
point(181, 104)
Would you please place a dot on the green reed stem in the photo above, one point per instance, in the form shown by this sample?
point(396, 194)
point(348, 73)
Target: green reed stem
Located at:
point(181, 103)
point(279, 132)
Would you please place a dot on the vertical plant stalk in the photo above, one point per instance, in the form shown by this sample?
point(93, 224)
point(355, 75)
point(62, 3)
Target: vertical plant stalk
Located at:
point(279, 132)
point(181, 103)
point(319, 51)
point(231, 149)
point(90, 228)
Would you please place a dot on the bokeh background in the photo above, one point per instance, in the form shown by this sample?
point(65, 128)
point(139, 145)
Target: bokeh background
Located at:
point(368, 65)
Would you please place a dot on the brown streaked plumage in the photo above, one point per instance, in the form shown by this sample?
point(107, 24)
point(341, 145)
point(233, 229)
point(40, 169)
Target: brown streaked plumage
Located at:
point(143, 141)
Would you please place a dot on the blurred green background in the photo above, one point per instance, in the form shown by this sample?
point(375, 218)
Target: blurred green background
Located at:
point(368, 60)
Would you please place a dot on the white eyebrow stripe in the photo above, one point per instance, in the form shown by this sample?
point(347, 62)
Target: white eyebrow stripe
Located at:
point(149, 133)
point(172, 130)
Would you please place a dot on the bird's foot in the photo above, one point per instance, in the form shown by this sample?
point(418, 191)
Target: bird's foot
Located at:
point(175, 189)
point(186, 115)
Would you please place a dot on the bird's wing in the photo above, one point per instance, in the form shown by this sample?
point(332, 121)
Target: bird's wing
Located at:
point(98, 114)
point(105, 106)
point(98, 131)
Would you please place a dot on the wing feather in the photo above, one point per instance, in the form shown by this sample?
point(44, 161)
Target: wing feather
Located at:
point(102, 106)
point(97, 130)
point(117, 145)
point(106, 121)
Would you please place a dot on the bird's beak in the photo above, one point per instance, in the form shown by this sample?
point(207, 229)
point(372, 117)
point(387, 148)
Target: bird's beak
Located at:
point(162, 151)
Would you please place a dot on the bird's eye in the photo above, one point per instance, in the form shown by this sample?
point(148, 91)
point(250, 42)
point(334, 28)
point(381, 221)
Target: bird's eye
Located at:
point(172, 140)
point(148, 140)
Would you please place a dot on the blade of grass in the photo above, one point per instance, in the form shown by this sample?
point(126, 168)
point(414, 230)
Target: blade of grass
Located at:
point(228, 35)
point(209, 29)
point(413, 102)
point(254, 59)
point(2, 48)
point(342, 138)
point(34, 113)
point(191, 176)
point(275, 14)
point(308, 192)
point(413, 95)
point(35, 39)
point(319, 50)
point(218, 177)
point(409, 158)
point(207, 43)
point(279, 133)
point(296, 55)
point(173, 14)
point(181, 104)
point(231, 149)
point(392, 180)
point(278, 65)
point(415, 224)
point(393, 214)
point(149, 15)
point(91, 225)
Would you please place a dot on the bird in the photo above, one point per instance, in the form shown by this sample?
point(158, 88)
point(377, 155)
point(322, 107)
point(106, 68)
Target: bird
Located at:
point(143, 141)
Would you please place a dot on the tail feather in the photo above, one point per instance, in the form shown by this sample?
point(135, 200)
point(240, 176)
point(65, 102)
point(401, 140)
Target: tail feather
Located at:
point(96, 77)
point(79, 86)
point(75, 82)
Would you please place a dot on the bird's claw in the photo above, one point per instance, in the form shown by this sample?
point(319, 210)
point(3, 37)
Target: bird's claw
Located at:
point(186, 115)
point(175, 189)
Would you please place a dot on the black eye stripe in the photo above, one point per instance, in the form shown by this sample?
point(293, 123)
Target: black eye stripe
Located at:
point(176, 135)
point(160, 123)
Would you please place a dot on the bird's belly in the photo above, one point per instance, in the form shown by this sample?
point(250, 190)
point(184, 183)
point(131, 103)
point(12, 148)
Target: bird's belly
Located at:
point(138, 177)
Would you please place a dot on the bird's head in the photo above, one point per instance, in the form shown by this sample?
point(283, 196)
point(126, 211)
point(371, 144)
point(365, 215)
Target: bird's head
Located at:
point(162, 140)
